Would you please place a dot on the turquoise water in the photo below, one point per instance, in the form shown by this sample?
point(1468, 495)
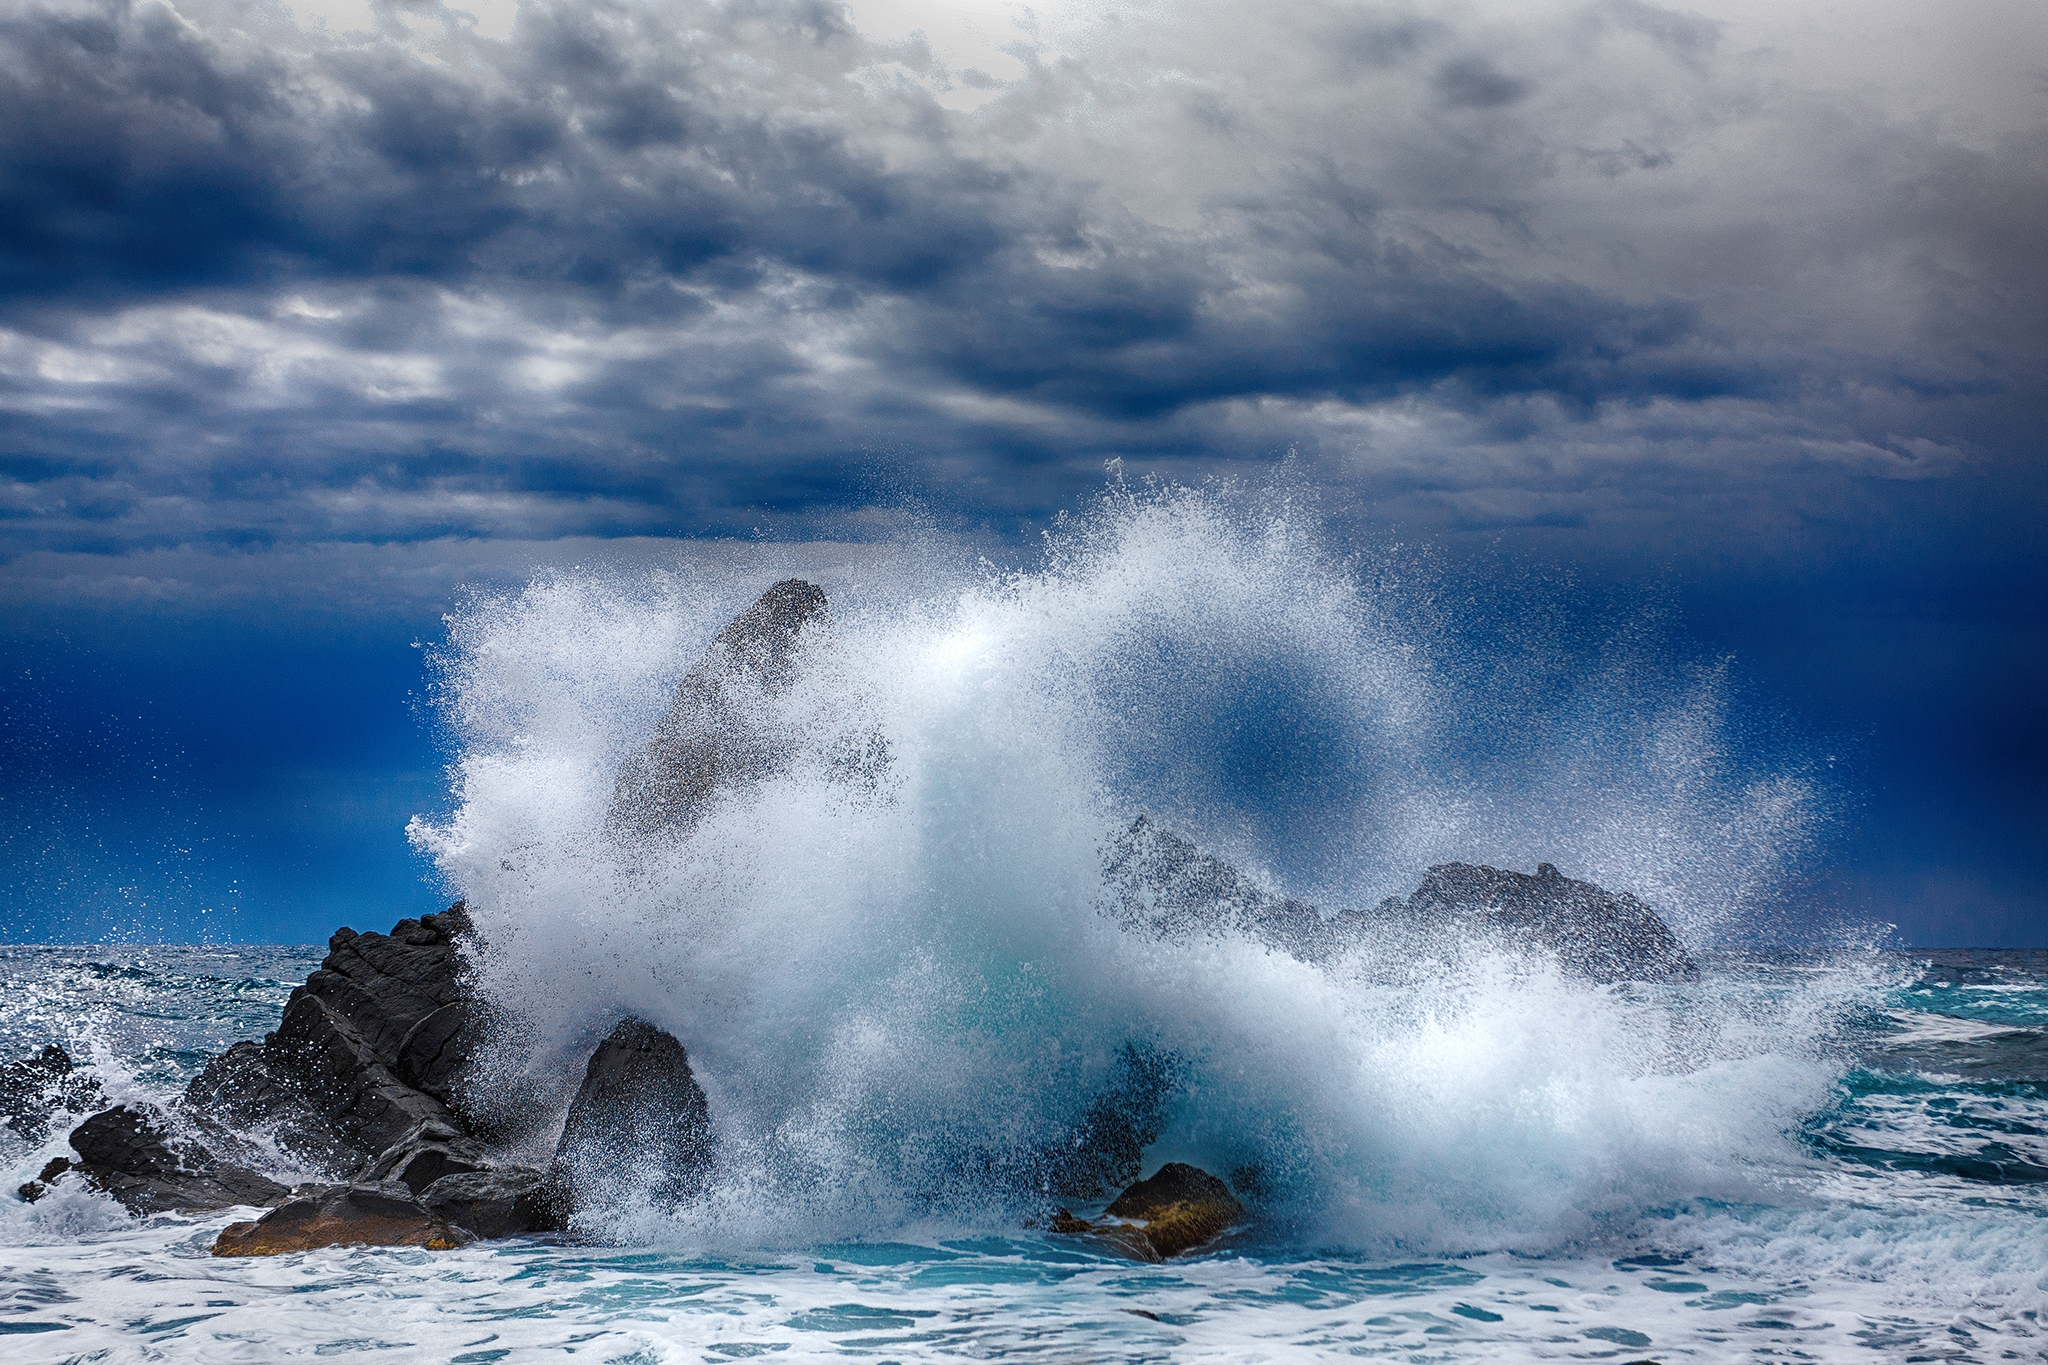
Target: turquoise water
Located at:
point(1915, 1229)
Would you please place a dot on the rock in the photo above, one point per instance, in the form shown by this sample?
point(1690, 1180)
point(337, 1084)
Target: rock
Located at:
point(366, 1214)
point(639, 1124)
point(507, 1202)
point(710, 740)
point(369, 1049)
point(1160, 883)
point(426, 1154)
point(1595, 933)
point(133, 1154)
point(36, 1087)
point(1180, 1208)
point(1105, 1150)
point(40, 1186)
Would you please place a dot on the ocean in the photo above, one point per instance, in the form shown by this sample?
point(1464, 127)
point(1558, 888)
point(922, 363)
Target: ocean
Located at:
point(886, 946)
point(1910, 1223)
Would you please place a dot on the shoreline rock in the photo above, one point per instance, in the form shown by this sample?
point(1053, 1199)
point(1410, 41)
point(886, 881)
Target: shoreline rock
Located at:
point(1179, 1209)
point(378, 1213)
point(639, 1125)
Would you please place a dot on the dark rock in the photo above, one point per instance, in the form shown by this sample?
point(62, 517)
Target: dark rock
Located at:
point(35, 1087)
point(1595, 933)
point(710, 740)
point(133, 1154)
point(1105, 1150)
point(639, 1124)
point(370, 1048)
point(1180, 1208)
point(1160, 883)
point(507, 1202)
point(40, 1186)
point(426, 1154)
point(365, 1214)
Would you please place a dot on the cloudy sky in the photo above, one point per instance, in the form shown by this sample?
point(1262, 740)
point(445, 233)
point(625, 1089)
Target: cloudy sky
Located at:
point(311, 313)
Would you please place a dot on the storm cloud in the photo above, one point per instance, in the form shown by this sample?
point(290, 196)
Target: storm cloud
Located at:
point(635, 268)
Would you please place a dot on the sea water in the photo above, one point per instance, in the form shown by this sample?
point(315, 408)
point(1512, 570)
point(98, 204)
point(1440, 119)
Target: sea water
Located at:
point(896, 971)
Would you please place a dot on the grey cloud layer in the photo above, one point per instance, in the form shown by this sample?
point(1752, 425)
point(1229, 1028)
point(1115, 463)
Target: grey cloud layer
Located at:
point(655, 268)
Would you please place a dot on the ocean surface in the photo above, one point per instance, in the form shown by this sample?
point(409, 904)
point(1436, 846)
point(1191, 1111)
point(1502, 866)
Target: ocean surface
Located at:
point(890, 949)
point(1913, 1225)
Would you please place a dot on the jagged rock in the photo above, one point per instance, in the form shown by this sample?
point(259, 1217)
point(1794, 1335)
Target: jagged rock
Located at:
point(133, 1154)
point(506, 1202)
point(1161, 883)
point(639, 1124)
point(369, 1048)
point(426, 1154)
point(365, 1214)
point(709, 739)
point(40, 1186)
point(1595, 933)
point(1180, 1208)
point(35, 1087)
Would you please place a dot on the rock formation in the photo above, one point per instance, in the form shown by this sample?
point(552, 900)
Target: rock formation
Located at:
point(710, 739)
point(639, 1124)
point(1180, 1208)
point(1160, 883)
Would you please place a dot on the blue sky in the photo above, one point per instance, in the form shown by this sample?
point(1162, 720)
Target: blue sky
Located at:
point(311, 315)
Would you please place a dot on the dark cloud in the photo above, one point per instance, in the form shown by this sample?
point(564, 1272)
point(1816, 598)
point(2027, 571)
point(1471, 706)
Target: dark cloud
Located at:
point(656, 268)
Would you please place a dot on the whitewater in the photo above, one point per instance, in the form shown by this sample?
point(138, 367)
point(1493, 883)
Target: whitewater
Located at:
point(896, 969)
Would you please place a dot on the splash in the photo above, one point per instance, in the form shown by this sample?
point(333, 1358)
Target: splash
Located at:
point(897, 979)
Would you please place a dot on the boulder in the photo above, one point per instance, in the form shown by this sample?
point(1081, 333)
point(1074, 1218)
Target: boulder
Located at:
point(134, 1154)
point(639, 1125)
point(36, 1087)
point(508, 1201)
point(711, 739)
point(40, 1186)
point(1179, 1209)
point(382, 1213)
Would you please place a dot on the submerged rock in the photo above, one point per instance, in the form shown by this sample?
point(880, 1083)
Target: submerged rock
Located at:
point(1180, 1208)
point(639, 1125)
point(36, 1087)
point(365, 1214)
point(134, 1154)
point(710, 740)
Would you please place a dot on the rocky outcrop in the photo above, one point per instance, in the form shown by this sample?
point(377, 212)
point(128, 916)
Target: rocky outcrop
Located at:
point(1595, 934)
point(135, 1154)
point(1179, 1209)
point(364, 1214)
point(711, 738)
point(639, 1126)
point(1160, 883)
point(425, 1155)
point(36, 1087)
point(369, 1049)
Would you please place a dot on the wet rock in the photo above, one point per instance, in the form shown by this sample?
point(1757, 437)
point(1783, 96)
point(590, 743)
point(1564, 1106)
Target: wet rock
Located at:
point(40, 1186)
point(1179, 1209)
point(509, 1201)
point(364, 1214)
point(1596, 934)
point(639, 1124)
point(1165, 885)
point(370, 1048)
point(426, 1154)
point(134, 1154)
point(36, 1087)
point(710, 740)
point(1105, 1150)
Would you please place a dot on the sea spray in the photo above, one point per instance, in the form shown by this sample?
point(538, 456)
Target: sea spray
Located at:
point(896, 979)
